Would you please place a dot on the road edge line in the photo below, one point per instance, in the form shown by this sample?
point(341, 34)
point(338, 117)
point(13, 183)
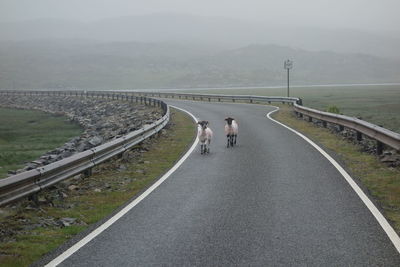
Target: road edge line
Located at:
point(390, 232)
point(66, 254)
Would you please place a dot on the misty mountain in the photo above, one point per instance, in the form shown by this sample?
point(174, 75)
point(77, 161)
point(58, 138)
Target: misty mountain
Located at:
point(96, 65)
point(198, 30)
point(260, 65)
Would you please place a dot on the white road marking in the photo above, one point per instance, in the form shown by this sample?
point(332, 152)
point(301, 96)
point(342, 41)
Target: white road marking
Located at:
point(131, 205)
point(377, 214)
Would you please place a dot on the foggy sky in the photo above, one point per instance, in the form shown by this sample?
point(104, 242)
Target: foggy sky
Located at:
point(368, 15)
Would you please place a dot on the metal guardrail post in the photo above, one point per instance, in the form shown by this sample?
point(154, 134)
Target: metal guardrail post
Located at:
point(379, 147)
point(87, 173)
point(358, 136)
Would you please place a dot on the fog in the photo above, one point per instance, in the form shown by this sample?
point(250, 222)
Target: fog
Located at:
point(367, 15)
point(187, 43)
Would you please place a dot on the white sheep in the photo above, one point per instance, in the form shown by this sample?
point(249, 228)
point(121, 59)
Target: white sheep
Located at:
point(231, 131)
point(205, 135)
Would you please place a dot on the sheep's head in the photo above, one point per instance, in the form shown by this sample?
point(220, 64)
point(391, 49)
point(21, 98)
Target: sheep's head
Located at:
point(229, 120)
point(203, 124)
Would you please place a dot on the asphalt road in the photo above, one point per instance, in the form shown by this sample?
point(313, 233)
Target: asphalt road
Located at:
point(271, 200)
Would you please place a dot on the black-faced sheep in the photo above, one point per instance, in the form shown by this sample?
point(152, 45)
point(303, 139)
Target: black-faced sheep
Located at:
point(231, 131)
point(205, 135)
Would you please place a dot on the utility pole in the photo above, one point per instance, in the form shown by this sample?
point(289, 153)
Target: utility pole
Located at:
point(288, 64)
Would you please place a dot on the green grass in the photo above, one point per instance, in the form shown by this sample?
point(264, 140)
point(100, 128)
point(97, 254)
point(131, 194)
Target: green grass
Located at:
point(35, 244)
point(382, 182)
point(378, 104)
point(26, 134)
point(87, 204)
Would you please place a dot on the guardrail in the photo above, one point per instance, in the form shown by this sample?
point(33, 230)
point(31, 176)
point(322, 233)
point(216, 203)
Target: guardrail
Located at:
point(380, 134)
point(30, 182)
point(220, 98)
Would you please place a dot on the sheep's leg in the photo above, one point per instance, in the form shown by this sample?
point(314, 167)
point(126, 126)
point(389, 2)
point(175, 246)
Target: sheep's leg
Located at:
point(227, 140)
point(201, 149)
point(231, 139)
point(235, 138)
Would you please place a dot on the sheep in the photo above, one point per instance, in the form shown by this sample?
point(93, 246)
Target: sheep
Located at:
point(231, 131)
point(205, 135)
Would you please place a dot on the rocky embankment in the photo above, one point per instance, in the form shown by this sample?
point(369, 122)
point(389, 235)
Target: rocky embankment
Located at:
point(102, 120)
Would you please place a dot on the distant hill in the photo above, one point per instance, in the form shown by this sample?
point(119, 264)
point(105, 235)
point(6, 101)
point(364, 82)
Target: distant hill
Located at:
point(263, 64)
point(189, 29)
point(98, 65)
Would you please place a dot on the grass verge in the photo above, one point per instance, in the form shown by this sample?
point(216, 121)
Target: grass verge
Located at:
point(381, 182)
point(28, 232)
point(25, 135)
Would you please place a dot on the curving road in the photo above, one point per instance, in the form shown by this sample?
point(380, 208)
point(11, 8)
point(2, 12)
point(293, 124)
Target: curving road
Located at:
point(272, 200)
